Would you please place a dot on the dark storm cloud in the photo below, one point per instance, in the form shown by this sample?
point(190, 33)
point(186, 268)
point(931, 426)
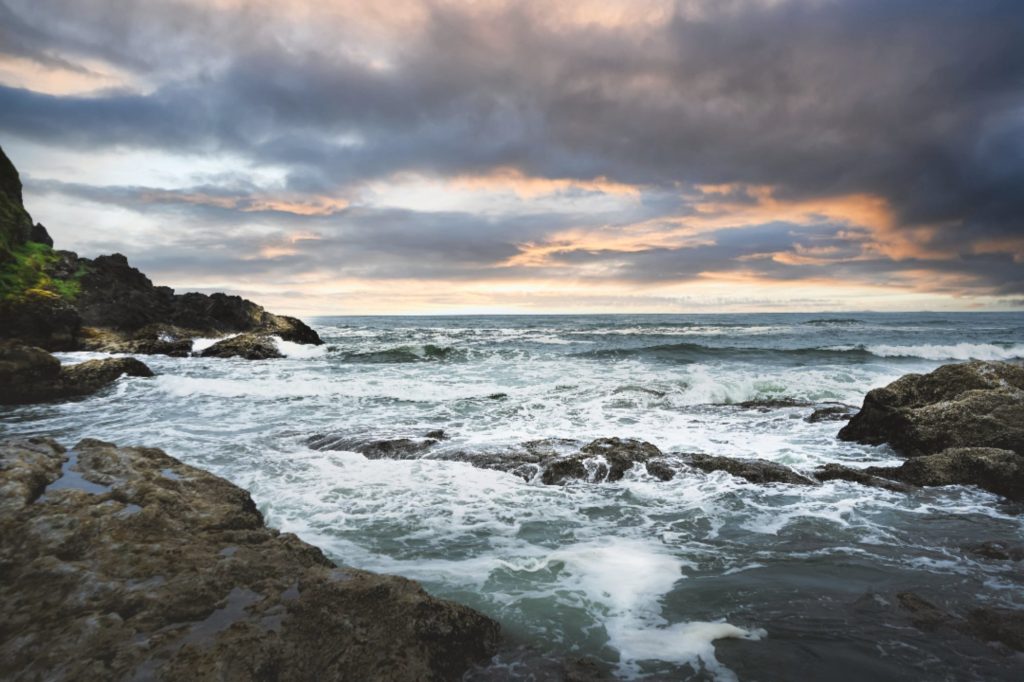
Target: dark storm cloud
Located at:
point(916, 101)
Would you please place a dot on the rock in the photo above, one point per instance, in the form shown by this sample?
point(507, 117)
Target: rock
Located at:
point(15, 222)
point(40, 235)
point(391, 448)
point(248, 346)
point(974, 404)
point(40, 318)
point(1005, 626)
point(831, 413)
point(753, 470)
point(998, 550)
point(31, 375)
point(838, 472)
point(124, 563)
point(150, 340)
point(604, 459)
point(998, 471)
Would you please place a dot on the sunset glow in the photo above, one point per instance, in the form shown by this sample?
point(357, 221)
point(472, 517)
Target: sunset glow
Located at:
point(504, 156)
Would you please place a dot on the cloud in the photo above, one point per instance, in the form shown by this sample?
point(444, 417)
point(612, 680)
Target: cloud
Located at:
point(880, 141)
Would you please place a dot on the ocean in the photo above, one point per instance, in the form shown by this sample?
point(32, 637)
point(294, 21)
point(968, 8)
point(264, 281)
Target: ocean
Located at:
point(702, 577)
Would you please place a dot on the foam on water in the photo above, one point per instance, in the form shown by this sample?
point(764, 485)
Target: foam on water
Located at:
point(643, 574)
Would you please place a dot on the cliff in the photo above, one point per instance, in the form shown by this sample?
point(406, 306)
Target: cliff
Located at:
point(59, 301)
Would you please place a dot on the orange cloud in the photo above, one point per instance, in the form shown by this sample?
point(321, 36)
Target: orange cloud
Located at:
point(508, 179)
point(302, 206)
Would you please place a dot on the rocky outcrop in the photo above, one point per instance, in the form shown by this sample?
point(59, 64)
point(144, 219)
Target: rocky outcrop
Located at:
point(998, 471)
point(119, 299)
point(753, 470)
point(607, 459)
point(31, 375)
point(974, 404)
point(124, 563)
point(58, 301)
point(248, 346)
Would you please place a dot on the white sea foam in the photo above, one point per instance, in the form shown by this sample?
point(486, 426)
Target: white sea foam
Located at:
point(958, 351)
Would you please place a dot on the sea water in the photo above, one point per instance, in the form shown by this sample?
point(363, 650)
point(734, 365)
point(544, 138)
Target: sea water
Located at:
point(703, 577)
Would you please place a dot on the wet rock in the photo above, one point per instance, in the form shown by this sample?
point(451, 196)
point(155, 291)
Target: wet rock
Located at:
point(830, 413)
point(753, 470)
point(248, 346)
point(124, 563)
point(1005, 626)
point(769, 404)
point(31, 375)
point(998, 550)
point(389, 448)
point(998, 471)
point(974, 404)
point(604, 459)
point(150, 340)
point(838, 472)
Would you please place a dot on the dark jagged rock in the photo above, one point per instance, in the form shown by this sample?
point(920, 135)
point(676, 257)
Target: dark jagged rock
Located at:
point(248, 346)
point(389, 448)
point(54, 298)
point(31, 375)
point(15, 222)
point(998, 471)
point(604, 459)
point(124, 563)
point(40, 235)
point(974, 404)
point(838, 472)
point(830, 413)
point(753, 470)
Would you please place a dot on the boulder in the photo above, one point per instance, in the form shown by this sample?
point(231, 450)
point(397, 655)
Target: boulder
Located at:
point(753, 470)
point(124, 563)
point(998, 550)
point(31, 375)
point(604, 459)
point(974, 404)
point(998, 471)
point(248, 346)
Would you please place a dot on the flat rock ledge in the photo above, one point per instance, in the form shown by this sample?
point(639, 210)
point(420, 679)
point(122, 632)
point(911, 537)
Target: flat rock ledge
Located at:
point(31, 375)
point(124, 563)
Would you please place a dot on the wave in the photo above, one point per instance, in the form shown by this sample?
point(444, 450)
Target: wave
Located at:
point(958, 351)
point(827, 321)
point(695, 352)
point(402, 354)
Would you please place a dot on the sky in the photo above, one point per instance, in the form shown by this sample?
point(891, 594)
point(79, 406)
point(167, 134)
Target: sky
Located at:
point(422, 156)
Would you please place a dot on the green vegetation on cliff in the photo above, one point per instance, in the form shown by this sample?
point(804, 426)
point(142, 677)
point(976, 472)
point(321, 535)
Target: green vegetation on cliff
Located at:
point(26, 273)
